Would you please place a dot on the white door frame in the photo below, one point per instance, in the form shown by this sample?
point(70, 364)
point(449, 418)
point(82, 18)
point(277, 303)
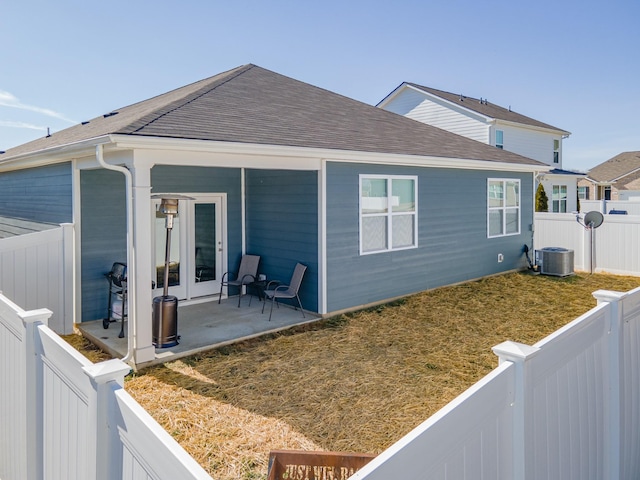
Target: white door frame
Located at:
point(188, 288)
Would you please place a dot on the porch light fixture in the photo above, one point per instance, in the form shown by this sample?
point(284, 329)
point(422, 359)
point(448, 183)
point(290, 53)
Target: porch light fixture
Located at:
point(165, 308)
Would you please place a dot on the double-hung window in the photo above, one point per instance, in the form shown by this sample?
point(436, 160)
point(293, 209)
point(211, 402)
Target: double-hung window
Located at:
point(388, 213)
point(559, 199)
point(503, 207)
point(500, 139)
point(556, 151)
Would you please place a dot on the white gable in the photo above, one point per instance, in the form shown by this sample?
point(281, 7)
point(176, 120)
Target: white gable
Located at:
point(526, 140)
point(439, 113)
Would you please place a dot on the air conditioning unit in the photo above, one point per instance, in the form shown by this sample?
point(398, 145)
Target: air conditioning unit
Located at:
point(555, 261)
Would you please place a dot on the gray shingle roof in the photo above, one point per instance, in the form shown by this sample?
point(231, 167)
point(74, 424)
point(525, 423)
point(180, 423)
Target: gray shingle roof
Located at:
point(486, 108)
point(619, 166)
point(13, 227)
point(250, 104)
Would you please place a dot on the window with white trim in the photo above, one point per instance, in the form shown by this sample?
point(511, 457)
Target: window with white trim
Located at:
point(503, 207)
point(556, 151)
point(559, 199)
point(388, 213)
point(500, 139)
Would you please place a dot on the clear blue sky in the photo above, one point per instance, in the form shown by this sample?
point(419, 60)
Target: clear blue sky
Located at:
point(572, 64)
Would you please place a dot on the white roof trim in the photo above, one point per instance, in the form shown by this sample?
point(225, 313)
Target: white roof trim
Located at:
point(131, 142)
point(87, 147)
point(562, 133)
point(47, 156)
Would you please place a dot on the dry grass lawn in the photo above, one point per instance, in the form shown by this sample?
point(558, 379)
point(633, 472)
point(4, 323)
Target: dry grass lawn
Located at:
point(357, 382)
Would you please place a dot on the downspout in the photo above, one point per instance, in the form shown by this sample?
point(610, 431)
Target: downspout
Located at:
point(538, 176)
point(131, 293)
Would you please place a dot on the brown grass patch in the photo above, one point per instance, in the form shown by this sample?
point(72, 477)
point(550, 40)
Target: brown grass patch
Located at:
point(357, 382)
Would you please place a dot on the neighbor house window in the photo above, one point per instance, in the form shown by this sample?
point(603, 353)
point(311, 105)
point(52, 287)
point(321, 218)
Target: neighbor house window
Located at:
point(503, 207)
point(559, 199)
point(556, 151)
point(583, 193)
point(388, 213)
point(499, 139)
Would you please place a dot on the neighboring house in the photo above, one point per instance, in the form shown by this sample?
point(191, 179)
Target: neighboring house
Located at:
point(494, 125)
point(377, 206)
point(616, 179)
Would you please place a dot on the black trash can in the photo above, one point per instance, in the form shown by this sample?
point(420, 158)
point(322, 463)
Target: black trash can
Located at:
point(165, 321)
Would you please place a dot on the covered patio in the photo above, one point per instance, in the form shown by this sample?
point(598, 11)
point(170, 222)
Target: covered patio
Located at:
point(204, 326)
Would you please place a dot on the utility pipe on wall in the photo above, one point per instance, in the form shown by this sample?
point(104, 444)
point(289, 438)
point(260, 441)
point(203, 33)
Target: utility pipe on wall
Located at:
point(131, 293)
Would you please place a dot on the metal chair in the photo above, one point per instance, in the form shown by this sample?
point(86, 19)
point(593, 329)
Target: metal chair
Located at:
point(246, 274)
point(286, 291)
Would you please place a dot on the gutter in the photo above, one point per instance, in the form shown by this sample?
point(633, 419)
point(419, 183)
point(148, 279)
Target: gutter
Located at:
point(131, 293)
point(295, 154)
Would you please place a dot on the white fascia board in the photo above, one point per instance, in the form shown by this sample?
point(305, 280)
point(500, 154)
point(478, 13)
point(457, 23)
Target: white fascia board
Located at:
point(57, 154)
point(562, 133)
point(394, 93)
point(161, 151)
point(599, 183)
point(564, 175)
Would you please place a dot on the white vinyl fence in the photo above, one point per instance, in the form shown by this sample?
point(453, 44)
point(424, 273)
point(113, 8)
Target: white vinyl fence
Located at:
point(624, 207)
point(37, 269)
point(614, 247)
point(564, 408)
point(62, 417)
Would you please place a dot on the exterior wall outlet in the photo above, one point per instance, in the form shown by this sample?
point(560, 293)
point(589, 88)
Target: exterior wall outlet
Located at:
point(500, 258)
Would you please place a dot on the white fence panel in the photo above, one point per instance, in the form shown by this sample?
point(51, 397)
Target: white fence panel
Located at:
point(37, 269)
point(630, 385)
point(62, 417)
point(13, 409)
point(618, 245)
point(614, 248)
point(562, 230)
point(566, 408)
point(570, 400)
point(142, 441)
point(472, 437)
point(67, 394)
point(605, 206)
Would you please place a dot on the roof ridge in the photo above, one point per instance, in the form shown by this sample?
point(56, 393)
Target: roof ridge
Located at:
point(233, 73)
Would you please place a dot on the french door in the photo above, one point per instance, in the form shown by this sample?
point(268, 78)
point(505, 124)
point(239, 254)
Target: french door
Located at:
point(196, 247)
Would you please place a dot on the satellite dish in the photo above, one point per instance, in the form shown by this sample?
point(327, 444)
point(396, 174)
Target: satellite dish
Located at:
point(593, 219)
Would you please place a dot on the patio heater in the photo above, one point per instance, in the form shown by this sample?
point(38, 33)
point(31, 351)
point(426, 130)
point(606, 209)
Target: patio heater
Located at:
point(165, 308)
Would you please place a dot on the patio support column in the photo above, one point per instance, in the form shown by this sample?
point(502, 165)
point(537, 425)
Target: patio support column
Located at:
point(143, 349)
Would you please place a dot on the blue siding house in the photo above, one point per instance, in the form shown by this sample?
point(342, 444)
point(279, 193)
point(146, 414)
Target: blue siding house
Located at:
point(377, 205)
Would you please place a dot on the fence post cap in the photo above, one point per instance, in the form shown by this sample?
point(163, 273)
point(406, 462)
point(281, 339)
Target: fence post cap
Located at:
point(608, 295)
point(514, 351)
point(103, 372)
